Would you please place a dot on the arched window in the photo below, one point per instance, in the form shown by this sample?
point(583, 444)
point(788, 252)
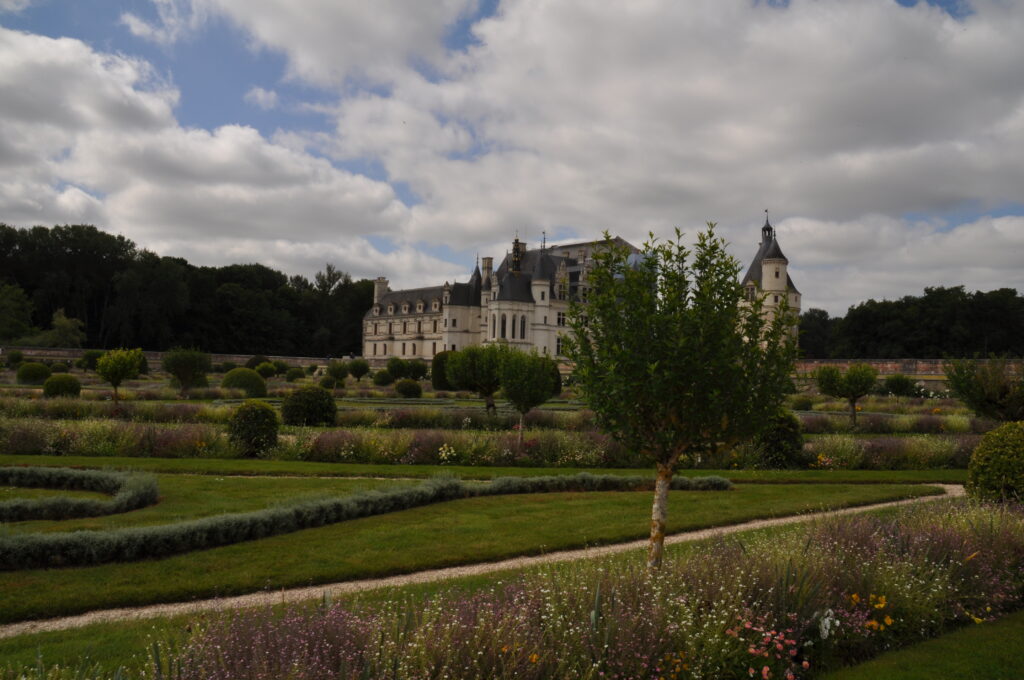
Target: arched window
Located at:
point(522, 327)
point(503, 325)
point(494, 325)
point(413, 352)
point(513, 326)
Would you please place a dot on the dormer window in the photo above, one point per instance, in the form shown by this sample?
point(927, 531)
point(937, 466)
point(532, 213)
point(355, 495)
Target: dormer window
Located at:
point(419, 306)
point(376, 310)
point(434, 306)
point(391, 309)
point(405, 308)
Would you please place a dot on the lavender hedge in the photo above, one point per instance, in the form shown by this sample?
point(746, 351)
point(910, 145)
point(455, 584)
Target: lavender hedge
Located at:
point(128, 491)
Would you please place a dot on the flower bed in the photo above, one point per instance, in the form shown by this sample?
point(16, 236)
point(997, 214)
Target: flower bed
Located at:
point(784, 605)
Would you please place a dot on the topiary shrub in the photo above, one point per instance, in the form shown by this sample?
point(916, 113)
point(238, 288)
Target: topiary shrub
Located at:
point(996, 470)
point(328, 382)
point(256, 360)
point(781, 445)
point(228, 366)
point(416, 369)
point(280, 366)
point(33, 373)
point(357, 368)
point(398, 368)
point(438, 372)
point(309, 406)
point(408, 388)
point(62, 385)
point(266, 369)
point(59, 367)
point(383, 377)
point(245, 379)
point(337, 370)
point(252, 428)
point(294, 373)
point(14, 358)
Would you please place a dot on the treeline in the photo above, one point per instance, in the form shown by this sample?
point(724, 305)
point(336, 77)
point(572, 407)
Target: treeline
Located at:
point(944, 322)
point(124, 296)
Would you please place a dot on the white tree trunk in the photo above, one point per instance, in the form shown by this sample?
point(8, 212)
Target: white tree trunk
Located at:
point(658, 515)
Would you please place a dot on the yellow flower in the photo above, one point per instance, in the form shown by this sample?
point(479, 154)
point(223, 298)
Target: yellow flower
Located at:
point(880, 604)
point(533, 658)
point(972, 556)
point(888, 620)
point(504, 649)
point(855, 598)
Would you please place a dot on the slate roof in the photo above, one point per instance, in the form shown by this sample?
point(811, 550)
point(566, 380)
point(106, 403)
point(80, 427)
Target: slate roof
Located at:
point(769, 250)
point(411, 296)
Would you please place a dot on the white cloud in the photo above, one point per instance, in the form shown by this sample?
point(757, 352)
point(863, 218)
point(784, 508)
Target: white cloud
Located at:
point(264, 99)
point(14, 5)
point(176, 19)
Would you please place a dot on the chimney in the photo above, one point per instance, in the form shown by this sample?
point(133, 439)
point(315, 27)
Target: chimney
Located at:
point(380, 287)
point(488, 263)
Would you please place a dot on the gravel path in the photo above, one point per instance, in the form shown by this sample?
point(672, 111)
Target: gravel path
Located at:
point(267, 597)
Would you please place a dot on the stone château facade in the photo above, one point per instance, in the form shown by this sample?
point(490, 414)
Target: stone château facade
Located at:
point(524, 302)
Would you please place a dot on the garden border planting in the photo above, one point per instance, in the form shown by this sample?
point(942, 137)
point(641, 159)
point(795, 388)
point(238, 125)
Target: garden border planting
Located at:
point(129, 491)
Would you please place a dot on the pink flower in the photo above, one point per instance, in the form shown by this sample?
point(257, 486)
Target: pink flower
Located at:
point(806, 665)
point(766, 673)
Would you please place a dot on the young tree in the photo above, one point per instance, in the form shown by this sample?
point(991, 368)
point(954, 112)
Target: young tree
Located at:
point(900, 385)
point(526, 382)
point(477, 368)
point(187, 365)
point(119, 365)
point(672, 360)
point(989, 388)
point(858, 381)
point(358, 368)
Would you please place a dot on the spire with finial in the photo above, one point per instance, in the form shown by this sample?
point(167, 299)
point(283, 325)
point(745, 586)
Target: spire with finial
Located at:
point(767, 231)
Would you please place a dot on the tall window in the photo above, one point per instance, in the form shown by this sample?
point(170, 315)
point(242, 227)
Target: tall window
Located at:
point(558, 346)
point(561, 318)
point(435, 325)
point(513, 326)
point(542, 296)
point(413, 352)
point(405, 327)
point(503, 325)
point(455, 322)
point(419, 327)
point(522, 327)
point(494, 325)
point(403, 349)
point(433, 348)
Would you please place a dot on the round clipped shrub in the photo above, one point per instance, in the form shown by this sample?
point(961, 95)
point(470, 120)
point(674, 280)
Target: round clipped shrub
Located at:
point(245, 379)
point(33, 373)
point(328, 382)
point(337, 370)
point(267, 369)
point(383, 377)
point(398, 368)
point(59, 367)
point(280, 366)
point(410, 389)
point(15, 357)
point(256, 360)
point(252, 428)
point(357, 368)
point(62, 385)
point(294, 373)
point(996, 470)
point(309, 406)
point(782, 444)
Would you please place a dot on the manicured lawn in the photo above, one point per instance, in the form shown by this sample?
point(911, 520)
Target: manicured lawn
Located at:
point(988, 651)
point(218, 466)
point(445, 534)
point(193, 496)
point(10, 493)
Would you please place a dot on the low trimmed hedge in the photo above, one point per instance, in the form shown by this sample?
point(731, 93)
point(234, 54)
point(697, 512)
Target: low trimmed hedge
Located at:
point(129, 491)
point(32, 551)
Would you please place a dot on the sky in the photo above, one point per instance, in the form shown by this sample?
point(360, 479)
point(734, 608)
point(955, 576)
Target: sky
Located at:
point(405, 138)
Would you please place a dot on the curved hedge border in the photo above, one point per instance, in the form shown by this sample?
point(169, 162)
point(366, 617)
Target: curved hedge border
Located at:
point(32, 551)
point(129, 491)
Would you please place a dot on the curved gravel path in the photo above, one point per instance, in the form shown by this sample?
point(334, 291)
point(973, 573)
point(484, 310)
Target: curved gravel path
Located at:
point(268, 597)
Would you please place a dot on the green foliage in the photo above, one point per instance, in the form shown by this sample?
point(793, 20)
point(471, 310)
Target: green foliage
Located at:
point(409, 388)
point(15, 312)
point(32, 373)
point(280, 366)
point(15, 357)
point(476, 368)
point(781, 444)
point(383, 377)
point(996, 470)
point(900, 385)
point(228, 366)
point(129, 491)
point(398, 368)
point(856, 382)
point(328, 382)
point(89, 359)
point(439, 371)
point(266, 370)
point(311, 369)
point(59, 367)
point(252, 428)
point(337, 370)
point(119, 365)
point(62, 385)
point(988, 387)
point(526, 379)
point(65, 332)
point(358, 368)
point(294, 373)
point(416, 369)
point(245, 379)
point(256, 360)
point(556, 380)
point(309, 405)
point(188, 366)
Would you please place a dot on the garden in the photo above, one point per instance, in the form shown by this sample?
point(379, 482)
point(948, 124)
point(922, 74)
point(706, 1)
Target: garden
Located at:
point(128, 483)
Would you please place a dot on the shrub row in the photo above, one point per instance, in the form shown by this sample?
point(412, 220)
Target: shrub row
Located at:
point(129, 491)
point(111, 438)
point(877, 423)
point(919, 452)
point(31, 551)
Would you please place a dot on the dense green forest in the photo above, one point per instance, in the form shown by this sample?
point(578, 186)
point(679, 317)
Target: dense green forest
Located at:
point(944, 322)
point(126, 296)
